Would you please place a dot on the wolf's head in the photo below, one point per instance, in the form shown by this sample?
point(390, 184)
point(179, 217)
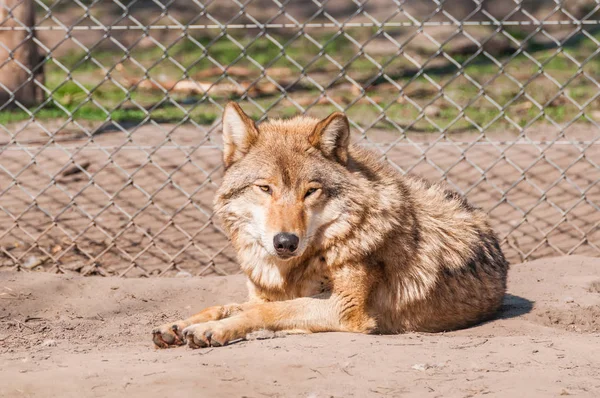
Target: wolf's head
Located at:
point(282, 192)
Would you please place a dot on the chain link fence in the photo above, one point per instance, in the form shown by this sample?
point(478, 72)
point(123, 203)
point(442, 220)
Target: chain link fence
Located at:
point(110, 131)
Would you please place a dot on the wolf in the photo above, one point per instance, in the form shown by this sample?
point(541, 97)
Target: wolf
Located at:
point(333, 239)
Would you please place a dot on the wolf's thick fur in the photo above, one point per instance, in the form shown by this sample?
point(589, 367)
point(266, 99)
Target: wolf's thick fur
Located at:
point(376, 252)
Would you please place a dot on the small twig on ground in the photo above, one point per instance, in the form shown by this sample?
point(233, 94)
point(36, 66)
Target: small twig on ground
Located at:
point(202, 352)
point(33, 318)
point(461, 347)
point(22, 324)
point(76, 169)
point(154, 373)
point(317, 371)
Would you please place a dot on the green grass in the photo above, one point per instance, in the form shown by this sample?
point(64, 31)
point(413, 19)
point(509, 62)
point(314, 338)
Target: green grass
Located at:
point(87, 92)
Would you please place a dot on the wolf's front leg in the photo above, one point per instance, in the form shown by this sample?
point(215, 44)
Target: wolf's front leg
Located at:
point(336, 313)
point(171, 334)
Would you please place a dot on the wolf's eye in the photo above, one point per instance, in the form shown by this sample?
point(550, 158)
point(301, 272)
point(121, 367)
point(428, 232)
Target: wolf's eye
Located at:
point(265, 188)
point(309, 192)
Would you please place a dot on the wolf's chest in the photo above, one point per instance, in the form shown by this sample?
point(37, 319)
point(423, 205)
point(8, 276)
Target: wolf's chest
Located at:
point(302, 280)
point(311, 280)
point(313, 287)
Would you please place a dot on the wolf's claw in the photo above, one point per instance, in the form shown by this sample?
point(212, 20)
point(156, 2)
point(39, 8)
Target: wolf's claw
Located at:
point(199, 336)
point(169, 335)
point(195, 341)
point(210, 334)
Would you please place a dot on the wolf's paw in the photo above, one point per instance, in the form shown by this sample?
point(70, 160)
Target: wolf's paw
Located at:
point(209, 334)
point(169, 335)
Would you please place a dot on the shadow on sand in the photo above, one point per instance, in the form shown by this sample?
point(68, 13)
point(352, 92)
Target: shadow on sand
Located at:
point(514, 306)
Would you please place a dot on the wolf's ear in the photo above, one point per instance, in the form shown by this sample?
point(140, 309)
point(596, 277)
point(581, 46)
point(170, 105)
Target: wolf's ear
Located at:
point(332, 136)
point(239, 133)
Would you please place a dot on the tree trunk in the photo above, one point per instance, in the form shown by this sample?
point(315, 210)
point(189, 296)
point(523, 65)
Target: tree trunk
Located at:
point(20, 63)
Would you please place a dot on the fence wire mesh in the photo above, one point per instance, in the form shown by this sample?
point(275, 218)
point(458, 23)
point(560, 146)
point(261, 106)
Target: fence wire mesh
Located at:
point(110, 131)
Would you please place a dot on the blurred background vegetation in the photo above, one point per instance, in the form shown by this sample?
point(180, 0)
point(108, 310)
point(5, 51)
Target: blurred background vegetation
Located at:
point(424, 78)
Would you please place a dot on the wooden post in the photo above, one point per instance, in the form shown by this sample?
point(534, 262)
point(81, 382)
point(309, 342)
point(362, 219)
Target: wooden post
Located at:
point(20, 61)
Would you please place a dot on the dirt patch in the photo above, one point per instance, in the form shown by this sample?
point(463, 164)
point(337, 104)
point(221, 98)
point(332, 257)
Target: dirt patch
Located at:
point(72, 336)
point(578, 318)
point(595, 287)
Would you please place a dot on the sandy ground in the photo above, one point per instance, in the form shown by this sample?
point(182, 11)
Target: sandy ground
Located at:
point(73, 336)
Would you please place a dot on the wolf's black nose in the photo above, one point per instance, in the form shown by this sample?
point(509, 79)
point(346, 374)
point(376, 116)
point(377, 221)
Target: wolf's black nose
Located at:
point(285, 243)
